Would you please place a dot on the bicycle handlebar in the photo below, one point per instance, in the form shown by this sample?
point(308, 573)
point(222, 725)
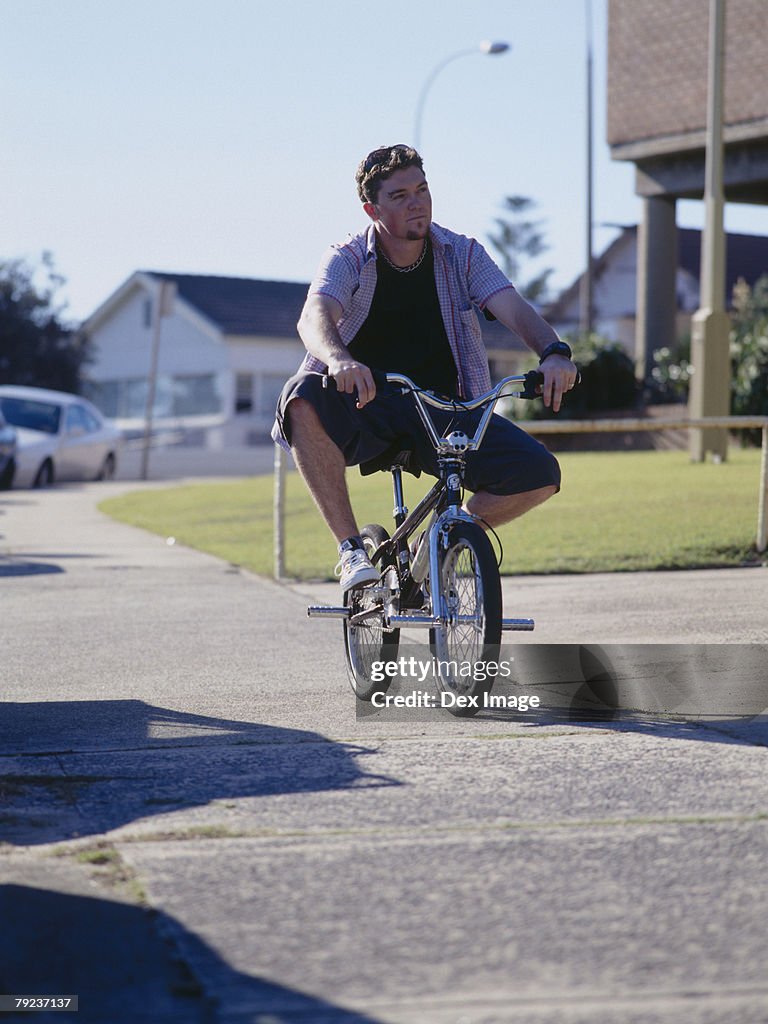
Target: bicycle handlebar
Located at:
point(530, 381)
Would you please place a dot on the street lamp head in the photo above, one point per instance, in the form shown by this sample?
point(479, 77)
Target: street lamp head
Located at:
point(498, 47)
point(486, 47)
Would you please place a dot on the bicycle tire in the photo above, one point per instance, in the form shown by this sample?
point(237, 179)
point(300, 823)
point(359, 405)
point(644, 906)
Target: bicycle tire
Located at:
point(369, 641)
point(471, 588)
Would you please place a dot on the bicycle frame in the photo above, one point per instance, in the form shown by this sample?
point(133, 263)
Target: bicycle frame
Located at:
point(443, 500)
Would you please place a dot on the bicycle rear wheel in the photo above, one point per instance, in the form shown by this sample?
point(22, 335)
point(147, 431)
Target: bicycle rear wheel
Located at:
point(366, 641)
point(468, 643)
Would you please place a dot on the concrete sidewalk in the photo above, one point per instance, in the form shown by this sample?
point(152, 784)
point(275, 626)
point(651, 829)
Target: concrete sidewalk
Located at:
point(196, 825)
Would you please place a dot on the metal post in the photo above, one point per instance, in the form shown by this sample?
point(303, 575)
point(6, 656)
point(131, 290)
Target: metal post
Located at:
point(762, 525)
point(164, 298)
point(279, 513)
point(710, 385)
point(587, 282)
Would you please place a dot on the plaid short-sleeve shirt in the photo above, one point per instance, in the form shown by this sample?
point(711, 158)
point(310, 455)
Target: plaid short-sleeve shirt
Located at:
point(465, 276)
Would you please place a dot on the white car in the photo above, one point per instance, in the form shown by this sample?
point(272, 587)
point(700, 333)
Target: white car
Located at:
point(7, 454)
point(58, 437)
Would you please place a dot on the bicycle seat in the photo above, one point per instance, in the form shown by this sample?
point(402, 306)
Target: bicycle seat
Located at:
point(395, 455)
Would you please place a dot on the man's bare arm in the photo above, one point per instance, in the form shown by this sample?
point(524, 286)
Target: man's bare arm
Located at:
point(317, 329)
point(519, 316)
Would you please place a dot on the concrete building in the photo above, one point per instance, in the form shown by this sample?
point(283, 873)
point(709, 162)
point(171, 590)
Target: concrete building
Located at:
point(657, 103)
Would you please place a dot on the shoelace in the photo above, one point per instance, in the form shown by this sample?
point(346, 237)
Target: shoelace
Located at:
point(353, 557)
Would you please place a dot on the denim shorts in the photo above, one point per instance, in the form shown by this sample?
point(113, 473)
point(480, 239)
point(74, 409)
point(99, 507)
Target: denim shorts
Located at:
point(509, 460)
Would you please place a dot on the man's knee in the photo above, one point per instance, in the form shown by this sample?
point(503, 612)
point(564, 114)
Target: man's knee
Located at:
point(545, 493)
point(301, 420)
point(299, 410)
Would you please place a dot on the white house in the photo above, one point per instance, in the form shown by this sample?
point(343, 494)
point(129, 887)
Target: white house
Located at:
point(615, 284)
point(224, 352)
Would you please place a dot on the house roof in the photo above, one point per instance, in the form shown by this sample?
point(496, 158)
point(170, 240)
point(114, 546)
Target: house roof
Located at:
point(242, 305)
point(250, 307)
point(746, 256)
point(558, 310)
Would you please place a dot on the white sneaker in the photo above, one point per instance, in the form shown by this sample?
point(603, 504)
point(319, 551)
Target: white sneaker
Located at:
point(355, 570)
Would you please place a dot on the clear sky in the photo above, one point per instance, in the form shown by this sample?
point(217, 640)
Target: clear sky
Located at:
point(222, 136)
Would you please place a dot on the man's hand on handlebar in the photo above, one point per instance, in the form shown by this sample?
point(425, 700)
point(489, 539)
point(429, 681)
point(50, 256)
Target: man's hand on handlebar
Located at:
point(560, 375)
point(352, 378)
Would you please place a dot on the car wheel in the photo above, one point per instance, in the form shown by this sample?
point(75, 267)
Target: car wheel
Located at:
point(44, 477)
point(107, 471)
point(6, 480)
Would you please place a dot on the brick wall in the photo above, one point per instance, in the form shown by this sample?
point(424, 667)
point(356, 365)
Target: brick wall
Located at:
point(657, 67)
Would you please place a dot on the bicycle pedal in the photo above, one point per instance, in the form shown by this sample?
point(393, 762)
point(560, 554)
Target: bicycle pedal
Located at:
point(520, 625)
point(322, 611)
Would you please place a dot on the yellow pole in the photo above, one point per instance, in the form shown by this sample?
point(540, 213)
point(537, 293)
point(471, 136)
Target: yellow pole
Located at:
point(710, 384)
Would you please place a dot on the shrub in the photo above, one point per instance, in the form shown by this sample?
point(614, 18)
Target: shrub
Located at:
point(749, 358)
point(671, 374)
point(607, 379)
point(749, 352)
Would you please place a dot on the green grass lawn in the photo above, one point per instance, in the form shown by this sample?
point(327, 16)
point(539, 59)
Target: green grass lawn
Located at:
point(616, 512)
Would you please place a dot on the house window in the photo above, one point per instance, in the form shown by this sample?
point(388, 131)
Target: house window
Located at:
point(271, 386)
point(195, 395)
point(147, 313)
point(244, 392)
point(184, 395)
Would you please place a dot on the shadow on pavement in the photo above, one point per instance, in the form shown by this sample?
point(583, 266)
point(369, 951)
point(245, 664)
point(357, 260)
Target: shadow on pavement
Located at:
point(78, 768)
point(25, 567)
point(33, 564)
point(128, 965)
point(716, 693)
point(711, 692)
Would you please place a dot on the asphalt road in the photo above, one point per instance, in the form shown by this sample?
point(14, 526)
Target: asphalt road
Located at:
point(196, 825)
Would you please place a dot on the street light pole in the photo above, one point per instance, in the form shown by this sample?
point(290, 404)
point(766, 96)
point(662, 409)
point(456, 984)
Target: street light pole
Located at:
point(587, 282)
point(485, 47)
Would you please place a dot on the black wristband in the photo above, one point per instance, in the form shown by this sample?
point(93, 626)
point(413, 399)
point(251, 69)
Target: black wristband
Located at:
point(556, 348)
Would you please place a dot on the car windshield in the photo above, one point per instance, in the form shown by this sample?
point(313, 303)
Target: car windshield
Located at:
point(24, 412)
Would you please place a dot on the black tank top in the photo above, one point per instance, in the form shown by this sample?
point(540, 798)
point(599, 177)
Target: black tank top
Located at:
point(404, 330)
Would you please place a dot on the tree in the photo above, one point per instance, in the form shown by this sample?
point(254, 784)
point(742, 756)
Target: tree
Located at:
point(518, 239)
point(36, 347)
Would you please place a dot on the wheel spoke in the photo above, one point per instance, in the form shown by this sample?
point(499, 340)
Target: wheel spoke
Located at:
point(472, 594)
point(463, 587)
point(365, 638)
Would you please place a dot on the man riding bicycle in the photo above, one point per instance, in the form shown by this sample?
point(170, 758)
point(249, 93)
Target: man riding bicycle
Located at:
point(399, 297)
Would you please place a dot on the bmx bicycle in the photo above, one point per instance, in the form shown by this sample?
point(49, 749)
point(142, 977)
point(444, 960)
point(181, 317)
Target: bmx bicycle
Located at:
point(450, 585)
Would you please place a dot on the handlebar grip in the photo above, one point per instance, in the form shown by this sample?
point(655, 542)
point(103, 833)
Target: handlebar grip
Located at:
point(534, 379)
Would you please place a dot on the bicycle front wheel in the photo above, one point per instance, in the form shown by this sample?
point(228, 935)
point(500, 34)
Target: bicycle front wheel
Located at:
point(466, 646)
point(368, 647)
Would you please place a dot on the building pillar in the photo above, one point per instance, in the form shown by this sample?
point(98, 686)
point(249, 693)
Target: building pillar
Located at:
point(710, 393)
point(656, 324)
